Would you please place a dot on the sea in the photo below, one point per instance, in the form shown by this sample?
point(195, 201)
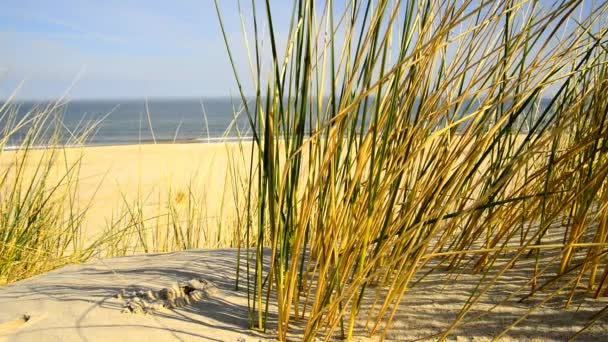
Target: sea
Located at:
point(134, 121)
point(130, 121)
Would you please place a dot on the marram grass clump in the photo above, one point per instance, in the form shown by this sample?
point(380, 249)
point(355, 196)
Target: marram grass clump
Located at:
point(45, 221)
point(41, 217)
point(391, 133)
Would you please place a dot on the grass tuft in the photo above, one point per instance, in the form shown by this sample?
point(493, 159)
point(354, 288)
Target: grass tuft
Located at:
point(390, 133)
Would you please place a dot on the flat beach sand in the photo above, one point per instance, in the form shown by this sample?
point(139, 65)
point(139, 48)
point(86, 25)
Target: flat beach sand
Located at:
point(90, 302)
point(110, 177)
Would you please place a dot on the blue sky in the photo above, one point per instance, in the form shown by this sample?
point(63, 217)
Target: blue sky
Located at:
point(119, 48)
point(124, 48)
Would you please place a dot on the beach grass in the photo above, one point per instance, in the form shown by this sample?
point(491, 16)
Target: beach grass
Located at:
point(54, 214)
point(391, 139)
point(391, 133)
point(42, 217)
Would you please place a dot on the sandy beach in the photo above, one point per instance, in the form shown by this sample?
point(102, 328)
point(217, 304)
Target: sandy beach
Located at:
point(113, 178)
point(92, 301)
point(304, 171)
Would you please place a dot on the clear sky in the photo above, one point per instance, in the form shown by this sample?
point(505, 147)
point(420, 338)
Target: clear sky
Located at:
point(123, 48)
point(119, 48)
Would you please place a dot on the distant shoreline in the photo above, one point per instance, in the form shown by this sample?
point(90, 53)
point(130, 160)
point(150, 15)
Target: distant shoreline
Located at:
point(215, 140)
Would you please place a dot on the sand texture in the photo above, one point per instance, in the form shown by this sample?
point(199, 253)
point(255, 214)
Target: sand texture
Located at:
point(87, 303)
point(82, 303)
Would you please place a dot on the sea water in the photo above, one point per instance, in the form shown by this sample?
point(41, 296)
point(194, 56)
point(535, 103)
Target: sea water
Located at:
point(131, 121)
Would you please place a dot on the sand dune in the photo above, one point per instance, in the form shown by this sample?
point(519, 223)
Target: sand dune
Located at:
point(79, 303)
